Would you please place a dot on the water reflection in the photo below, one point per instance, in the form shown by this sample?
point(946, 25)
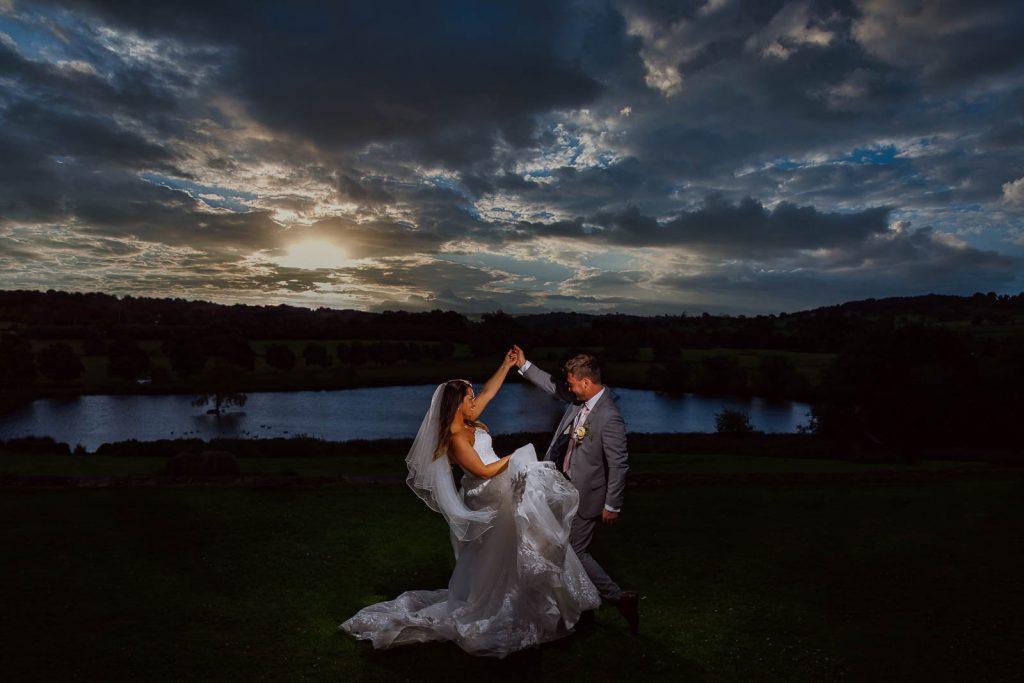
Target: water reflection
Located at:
point(384, 412)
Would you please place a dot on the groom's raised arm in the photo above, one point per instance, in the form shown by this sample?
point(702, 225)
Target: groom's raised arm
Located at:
point(538, 377)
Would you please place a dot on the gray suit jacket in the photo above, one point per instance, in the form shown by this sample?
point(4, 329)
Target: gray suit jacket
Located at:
point(599, 463)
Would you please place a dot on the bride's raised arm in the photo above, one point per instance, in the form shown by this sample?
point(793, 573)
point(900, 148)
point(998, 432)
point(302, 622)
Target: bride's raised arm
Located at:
point(491, 387)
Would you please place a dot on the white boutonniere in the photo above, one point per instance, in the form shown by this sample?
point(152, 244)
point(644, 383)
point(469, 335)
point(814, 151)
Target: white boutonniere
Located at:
point(582, 432)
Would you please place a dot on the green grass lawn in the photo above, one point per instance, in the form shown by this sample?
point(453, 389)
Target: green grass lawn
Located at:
point(739, 583)
point(393, 465)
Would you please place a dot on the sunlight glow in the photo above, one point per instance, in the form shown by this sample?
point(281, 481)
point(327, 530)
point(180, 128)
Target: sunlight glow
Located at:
point(312, 254)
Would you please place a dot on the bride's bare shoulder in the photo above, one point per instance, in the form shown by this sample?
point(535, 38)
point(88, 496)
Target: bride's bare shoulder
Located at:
point(464, 433)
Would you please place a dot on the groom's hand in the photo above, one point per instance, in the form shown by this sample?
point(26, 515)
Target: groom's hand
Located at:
point(520, 356)
point(609, 517)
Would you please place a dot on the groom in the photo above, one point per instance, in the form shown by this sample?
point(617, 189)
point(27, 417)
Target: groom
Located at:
point(589, 447)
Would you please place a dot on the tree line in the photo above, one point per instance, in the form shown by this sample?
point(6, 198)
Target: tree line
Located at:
point(95, 316)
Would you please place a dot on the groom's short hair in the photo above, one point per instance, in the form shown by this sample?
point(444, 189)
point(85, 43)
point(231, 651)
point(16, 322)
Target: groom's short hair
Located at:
point(584, 366)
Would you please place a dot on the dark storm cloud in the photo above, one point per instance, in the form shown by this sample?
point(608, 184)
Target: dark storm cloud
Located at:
point(784, 80)
point(54, 141)
point(902, 262)
point(949, 40)
point(177, 222)
point(89, 138)
point(922, 255)
point(588, 190)
point(370, 191)
point(446, 78)
point(721, 227)
point(72, 144)
point(114, 203)
point(150, 92)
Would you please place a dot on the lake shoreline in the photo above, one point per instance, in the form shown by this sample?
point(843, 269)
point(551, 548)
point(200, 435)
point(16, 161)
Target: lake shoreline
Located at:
point(16, 400)
point(760, 445)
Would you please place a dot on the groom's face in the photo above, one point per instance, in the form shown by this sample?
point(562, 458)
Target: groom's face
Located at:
point(579, 387)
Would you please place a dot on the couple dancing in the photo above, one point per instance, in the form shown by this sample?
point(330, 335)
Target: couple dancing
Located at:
point(520, 528)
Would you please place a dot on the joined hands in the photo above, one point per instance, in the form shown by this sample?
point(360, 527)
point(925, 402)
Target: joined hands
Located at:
point(515, 356)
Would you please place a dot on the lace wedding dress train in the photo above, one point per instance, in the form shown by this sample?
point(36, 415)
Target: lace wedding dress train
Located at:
point(515, 585)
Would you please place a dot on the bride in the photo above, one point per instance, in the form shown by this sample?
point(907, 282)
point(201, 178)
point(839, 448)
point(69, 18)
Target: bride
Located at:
point(517, 582)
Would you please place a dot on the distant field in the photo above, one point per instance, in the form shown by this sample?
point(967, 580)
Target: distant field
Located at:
point(810, 365)
point(738, 583)
point(340, 374)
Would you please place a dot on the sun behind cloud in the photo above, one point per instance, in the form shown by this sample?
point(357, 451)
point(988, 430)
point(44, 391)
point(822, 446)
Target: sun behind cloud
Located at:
point(311, 254)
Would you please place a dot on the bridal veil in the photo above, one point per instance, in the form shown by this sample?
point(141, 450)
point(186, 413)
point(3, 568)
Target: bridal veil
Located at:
point(431, 479)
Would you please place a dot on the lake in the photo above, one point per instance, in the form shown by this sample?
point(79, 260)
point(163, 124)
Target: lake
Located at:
point(376, 413)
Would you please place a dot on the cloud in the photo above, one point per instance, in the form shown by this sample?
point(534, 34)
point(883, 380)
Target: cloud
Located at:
point(719, 227)
point(948, 40)
point(901, 262)
point(481, 155)
point(446, 79)
point(1013, 192)
point(787, 31)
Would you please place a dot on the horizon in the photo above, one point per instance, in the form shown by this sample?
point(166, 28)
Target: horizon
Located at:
point(473, 315)
point(605, 157)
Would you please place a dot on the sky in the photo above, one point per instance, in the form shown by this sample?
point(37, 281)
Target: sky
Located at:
point(644, 157)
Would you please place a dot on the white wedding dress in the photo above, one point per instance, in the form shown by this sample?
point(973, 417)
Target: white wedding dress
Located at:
point(516, 585)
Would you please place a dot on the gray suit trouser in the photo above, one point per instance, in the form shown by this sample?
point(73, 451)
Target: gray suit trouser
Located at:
point(579, 537)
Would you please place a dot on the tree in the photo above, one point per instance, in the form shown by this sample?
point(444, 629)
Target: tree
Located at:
point(733, 423)
point(60, 363)
point(414, 353)
point(385, 353)
point(280, 356)
point(126, 359)
point(315, 354)
point(673, 378)
point(624, 347)
point(777, 377)
point(160, 375)
point(495, 333)
point(231, 347)
point(352, 354)
point(186, 356)
point(16, 367)
point(665, 348)
point(93, 344)
point(911, 387)
point(720, 374)
point(221, 385)
point(441, 350)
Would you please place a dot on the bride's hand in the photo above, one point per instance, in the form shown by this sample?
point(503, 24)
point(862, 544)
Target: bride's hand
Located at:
point(511, 358)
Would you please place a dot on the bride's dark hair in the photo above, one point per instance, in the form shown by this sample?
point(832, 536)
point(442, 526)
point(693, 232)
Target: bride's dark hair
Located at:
point(451, 396)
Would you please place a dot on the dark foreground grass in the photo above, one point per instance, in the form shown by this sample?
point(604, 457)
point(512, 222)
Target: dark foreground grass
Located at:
point(392, 466)
point(741, 581)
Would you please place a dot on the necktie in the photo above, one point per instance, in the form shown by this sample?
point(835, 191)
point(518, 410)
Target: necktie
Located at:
point(580, 419)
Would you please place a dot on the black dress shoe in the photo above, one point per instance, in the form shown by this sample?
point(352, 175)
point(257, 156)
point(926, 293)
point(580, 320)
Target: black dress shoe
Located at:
point(629, 608)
